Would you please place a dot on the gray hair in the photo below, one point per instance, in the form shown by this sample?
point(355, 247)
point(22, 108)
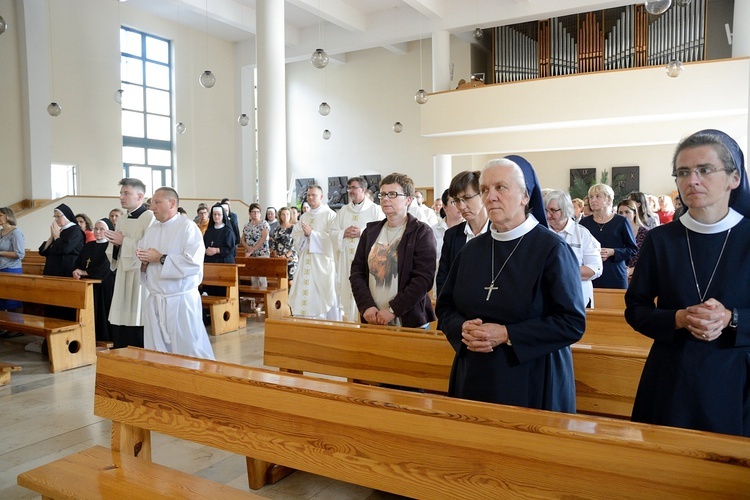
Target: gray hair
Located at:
point(563, 200)
point(517, 172)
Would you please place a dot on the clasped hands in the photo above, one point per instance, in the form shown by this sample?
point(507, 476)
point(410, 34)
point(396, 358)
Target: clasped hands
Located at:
point(483, 337)
point(378, 317)
point(704, 321)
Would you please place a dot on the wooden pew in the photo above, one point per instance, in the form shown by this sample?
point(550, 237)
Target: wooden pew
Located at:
point(276, 294)
point(70, 344)
point(609, 298)
point(5, 370)
point(416, 445)
point(224, 310)
point(33, 263)
point(99, 473)
point(607, 376)
point(608, 327)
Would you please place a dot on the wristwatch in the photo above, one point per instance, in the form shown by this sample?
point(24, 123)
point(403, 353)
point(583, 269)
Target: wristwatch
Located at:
point(735, 318)
point(162, 259)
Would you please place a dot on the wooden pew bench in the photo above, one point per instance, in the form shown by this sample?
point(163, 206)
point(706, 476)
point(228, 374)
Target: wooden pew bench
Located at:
point(33, 263)
point(276, 295)
point(70, 344)
point(99, 473)
point(223, 310)
point(609, 298)
point(606, 376)
point(5, 370)
point(608, 327)
point(417, 445)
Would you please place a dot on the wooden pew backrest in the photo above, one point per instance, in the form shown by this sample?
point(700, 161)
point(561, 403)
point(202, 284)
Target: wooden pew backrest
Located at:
point(422, 446)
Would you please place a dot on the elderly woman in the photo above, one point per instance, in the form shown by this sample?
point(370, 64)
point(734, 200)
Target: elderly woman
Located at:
point(614, 234)
point(512, 303)
point(394, 265)
point(93, 262)
point(464, 189)
point(697, 268)
point(560, 212)
point(12, 251)
point(64, 244)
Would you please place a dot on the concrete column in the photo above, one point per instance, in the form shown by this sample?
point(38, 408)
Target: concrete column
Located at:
point(443, 167)
point(441, 61)
point(36, 89)
point(272, 165)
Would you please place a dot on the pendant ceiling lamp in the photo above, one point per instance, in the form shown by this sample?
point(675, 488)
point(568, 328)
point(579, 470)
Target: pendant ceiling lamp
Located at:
point(657, 7)
point(319, 58)
point(3, 25)
point(243, 120)
point(207, 78)
point(53, 108)
point(421, 96)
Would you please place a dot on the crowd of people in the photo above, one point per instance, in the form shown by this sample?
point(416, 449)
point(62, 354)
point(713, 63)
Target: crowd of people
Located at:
point(512, 267)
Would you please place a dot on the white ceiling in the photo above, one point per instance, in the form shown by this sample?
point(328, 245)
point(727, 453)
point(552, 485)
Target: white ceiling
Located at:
point(342, 26)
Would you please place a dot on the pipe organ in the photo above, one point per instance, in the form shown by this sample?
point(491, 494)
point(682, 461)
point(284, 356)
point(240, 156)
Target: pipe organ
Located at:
point(625, 37)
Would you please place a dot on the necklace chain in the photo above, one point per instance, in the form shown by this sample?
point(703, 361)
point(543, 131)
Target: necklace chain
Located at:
point(492, 272)
point(702, 296)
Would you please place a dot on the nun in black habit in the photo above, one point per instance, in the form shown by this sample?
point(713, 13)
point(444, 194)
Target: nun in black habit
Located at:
point(93, 262)
point(690, 292)
point(61, 252)
point(512, 305)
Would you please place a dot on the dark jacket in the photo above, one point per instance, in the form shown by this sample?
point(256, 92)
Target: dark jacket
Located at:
point(63, 252)
point(453, 241)
point(417, 253)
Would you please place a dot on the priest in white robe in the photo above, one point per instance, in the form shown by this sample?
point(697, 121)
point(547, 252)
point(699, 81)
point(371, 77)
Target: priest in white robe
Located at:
point(313, 292)
point(350, 222)
point(125, 314)
point(171, 254)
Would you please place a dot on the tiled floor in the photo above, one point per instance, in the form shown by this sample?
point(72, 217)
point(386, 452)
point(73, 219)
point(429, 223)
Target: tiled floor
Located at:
point(46, 416)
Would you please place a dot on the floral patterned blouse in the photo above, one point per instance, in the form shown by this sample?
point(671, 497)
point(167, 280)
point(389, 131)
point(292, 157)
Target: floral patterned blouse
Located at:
point(281, 243)
point(252, 233)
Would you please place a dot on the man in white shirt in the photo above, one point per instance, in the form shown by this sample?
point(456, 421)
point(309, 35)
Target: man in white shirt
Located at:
point(559, 210)
point(350, 222)
point(171, 254)
point(313, 292)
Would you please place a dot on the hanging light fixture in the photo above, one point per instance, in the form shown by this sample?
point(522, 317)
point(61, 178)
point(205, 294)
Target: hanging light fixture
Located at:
point(478, 34)
point(54, 109)
point(326, 134)
point(398, 127)
point(324, 109)
point(674, 68)
point(118, 96)
point(180, 128)
point(3, 25)
point(319, 58)
point(421, 95)
point(657, 7)
point(207, 78)
point(243, 119)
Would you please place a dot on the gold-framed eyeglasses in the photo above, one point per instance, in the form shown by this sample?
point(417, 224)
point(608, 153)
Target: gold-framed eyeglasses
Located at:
point(465, 199)
point(391, 195)
point(701, 172)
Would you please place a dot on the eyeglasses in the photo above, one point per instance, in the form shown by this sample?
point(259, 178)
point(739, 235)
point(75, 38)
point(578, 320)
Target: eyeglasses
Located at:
point(553, 211)
point(465, 199)
point(353, 188)
point(391, 195)
point(254, 211)
point(701, 172)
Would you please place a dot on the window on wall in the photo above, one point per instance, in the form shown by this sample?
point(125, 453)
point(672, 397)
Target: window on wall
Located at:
point(147, 133)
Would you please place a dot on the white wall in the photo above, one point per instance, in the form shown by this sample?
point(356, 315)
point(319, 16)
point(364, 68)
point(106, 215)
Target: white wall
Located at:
point(11, 123)
point(367, 94)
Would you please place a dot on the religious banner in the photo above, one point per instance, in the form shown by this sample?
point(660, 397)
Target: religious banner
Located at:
point(300, 186)
point(581, 179)
point(625, 180)
point(373, 186)
point(337, 195)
